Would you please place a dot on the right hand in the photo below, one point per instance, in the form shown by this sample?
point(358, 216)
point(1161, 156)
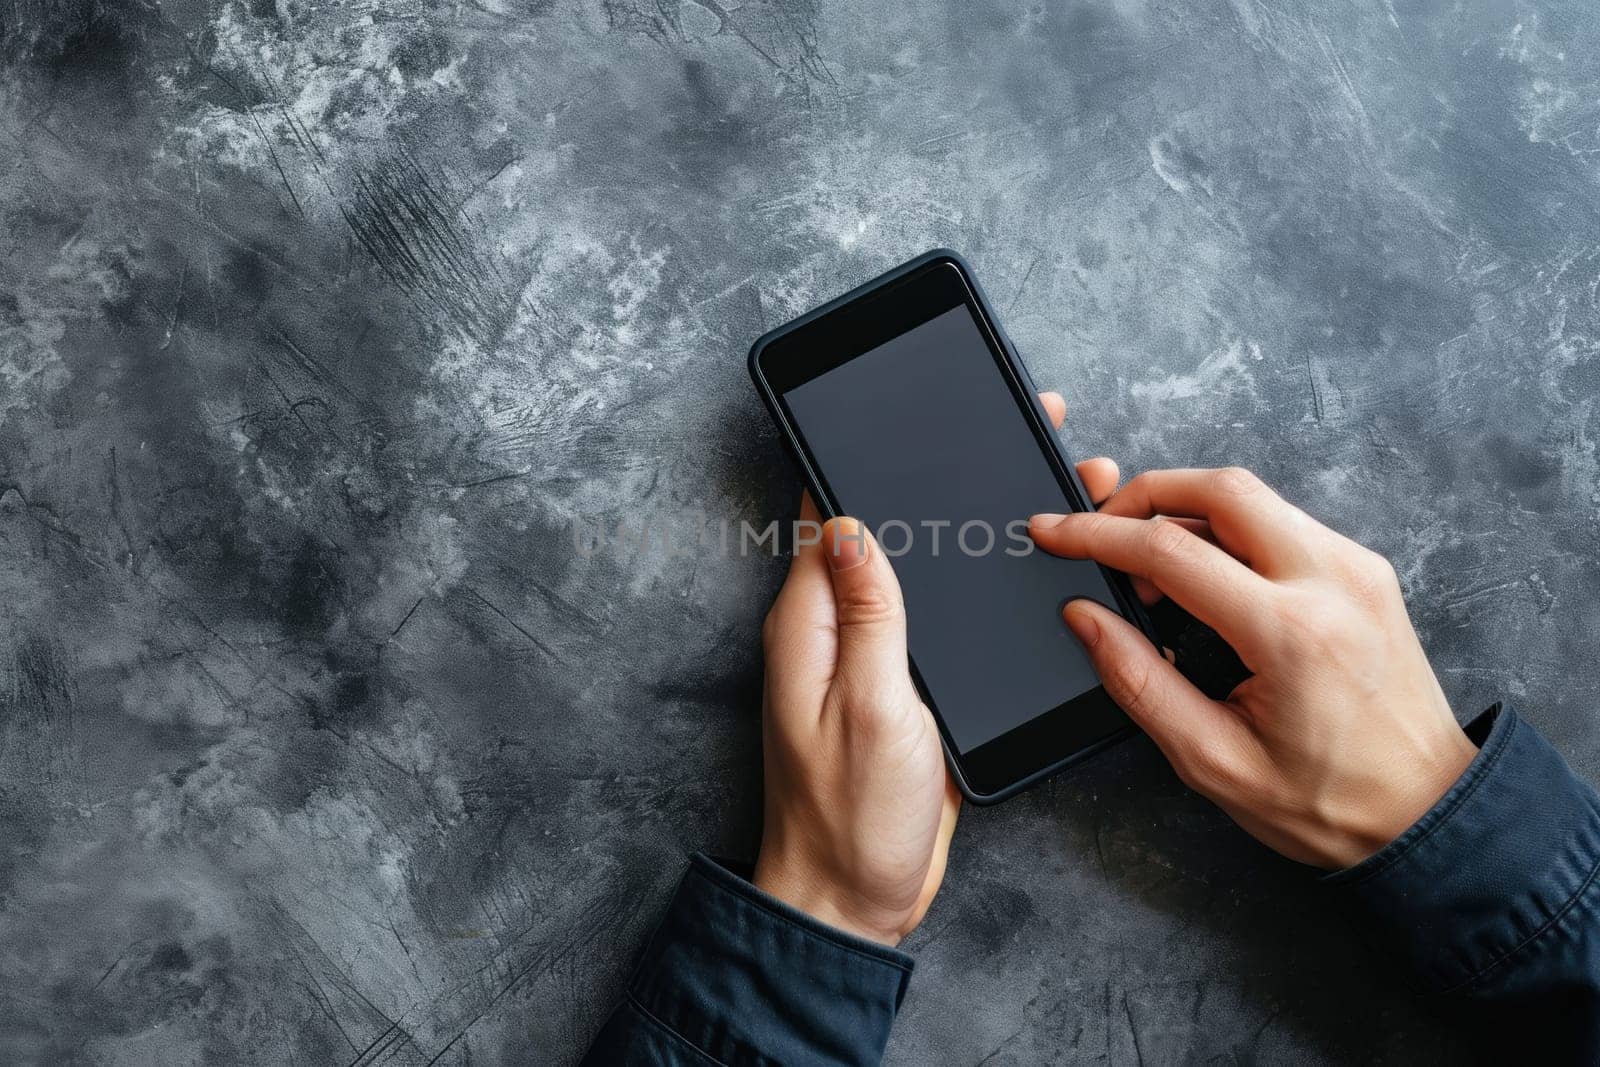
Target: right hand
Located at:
point(1342, 738)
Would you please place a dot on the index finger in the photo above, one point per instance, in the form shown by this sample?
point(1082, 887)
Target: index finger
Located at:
point(1248, 519)
point(1200, 577)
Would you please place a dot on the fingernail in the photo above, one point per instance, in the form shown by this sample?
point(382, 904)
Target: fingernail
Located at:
point(847, 544)
point(1082, 623)
point(1046, 521)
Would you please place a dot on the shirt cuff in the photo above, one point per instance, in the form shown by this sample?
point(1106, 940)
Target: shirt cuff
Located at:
point(1488, 875)
point(744, 977)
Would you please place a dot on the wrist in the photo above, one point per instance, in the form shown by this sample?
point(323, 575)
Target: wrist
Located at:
point(1425, 783)
point(1437, 772)
point(805, 887)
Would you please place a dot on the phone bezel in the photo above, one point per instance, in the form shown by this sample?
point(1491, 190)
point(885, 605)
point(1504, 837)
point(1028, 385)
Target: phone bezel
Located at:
point(854, 324)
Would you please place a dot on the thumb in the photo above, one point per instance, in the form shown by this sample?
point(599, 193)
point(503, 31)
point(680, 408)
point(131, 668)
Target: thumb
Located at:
point(1200, 737)
point(870, 612)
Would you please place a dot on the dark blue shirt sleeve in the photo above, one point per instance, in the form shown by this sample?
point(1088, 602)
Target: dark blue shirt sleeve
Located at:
point(1492, 895)
point(734, 976)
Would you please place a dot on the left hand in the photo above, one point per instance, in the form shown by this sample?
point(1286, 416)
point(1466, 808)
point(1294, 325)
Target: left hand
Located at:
point(859, 806)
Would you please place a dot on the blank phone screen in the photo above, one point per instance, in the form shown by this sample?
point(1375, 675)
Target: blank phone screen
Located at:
point(922, 439)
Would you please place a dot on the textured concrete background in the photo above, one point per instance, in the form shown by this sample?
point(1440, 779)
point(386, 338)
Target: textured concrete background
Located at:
point(319, 323)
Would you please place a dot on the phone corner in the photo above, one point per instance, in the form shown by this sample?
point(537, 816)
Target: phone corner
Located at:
point(752, 360)
point(982, 800)
point(943, 252)
point(1044, 774)
point(968, 793)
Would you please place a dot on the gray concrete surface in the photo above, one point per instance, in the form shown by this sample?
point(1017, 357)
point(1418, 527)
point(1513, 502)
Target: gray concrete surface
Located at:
point(319, 324)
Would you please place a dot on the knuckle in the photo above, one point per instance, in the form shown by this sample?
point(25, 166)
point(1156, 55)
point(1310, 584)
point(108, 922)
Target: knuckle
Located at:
point(1200, 765)
point(867, 606)
point(1091, 525)
point(1237, 481)
point(1140, 485)
point(1168, 540)
point(1087, 530)
point(1378, 569)
point(1129, 685)
point(1369, 578)
point(872, 707)
point(1207, 767)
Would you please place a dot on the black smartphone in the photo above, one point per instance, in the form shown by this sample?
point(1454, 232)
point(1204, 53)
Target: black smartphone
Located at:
point(906, 407)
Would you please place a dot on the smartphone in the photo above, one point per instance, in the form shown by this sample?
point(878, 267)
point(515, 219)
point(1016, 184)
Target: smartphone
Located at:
point(906, 407)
